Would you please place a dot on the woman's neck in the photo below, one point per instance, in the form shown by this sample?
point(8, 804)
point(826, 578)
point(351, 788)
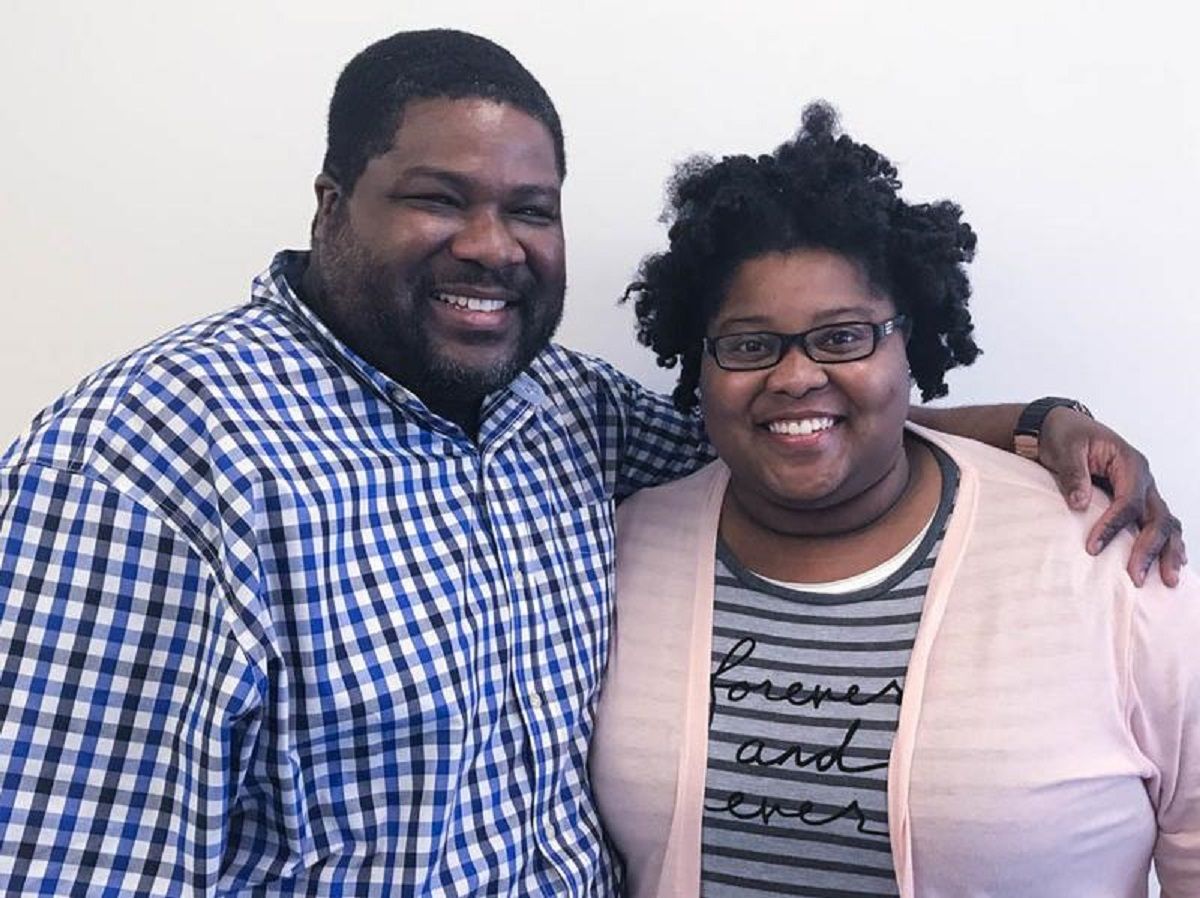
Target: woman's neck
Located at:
point(844, 539)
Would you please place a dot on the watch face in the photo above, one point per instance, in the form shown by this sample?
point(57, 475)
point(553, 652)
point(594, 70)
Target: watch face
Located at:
point(1038, 410)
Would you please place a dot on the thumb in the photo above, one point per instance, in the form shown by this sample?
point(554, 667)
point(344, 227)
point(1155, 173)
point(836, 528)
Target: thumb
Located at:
point(1075, 480)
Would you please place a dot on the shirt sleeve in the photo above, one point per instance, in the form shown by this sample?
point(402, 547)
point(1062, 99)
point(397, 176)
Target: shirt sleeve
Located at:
point(1164, 690)
point(123, 696)
point(660, 443)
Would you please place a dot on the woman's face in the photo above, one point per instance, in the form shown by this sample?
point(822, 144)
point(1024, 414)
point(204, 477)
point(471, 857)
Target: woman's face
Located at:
point(804, 435)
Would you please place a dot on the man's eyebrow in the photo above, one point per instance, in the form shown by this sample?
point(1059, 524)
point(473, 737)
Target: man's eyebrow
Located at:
point(463, 182)
point(450, 178)
point(537, 192)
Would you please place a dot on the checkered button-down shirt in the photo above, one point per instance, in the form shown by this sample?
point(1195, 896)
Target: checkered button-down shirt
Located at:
point(268, 626)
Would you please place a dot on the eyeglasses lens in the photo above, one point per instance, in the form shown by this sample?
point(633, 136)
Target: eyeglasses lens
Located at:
point(835, 343)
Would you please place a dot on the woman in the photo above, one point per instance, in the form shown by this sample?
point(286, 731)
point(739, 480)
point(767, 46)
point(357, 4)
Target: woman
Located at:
point(774, 609)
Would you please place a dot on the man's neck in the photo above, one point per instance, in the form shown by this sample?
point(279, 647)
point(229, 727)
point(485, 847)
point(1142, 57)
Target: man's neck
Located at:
point(465, 414)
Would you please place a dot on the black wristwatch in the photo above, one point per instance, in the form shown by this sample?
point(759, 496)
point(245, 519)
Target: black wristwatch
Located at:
point(1028, 432)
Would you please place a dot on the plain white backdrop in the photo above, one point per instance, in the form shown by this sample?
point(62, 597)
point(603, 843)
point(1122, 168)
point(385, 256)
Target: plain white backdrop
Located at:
point(154, 156)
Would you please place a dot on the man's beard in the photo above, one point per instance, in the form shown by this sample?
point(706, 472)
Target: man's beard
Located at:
point(391, 314)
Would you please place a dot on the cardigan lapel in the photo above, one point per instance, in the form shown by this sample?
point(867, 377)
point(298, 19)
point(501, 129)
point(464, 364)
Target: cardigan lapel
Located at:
point(945, 570)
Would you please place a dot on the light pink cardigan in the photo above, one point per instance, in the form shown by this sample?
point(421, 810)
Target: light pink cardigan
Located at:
point(1049, 740)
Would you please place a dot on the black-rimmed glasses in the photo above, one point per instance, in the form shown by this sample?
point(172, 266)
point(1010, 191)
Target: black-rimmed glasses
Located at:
point(846, 341)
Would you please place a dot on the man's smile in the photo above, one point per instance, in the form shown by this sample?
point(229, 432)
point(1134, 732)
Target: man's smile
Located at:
point(472, 303)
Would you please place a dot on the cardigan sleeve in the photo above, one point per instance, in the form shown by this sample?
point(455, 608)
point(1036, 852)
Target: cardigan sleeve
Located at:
point(1164, 714)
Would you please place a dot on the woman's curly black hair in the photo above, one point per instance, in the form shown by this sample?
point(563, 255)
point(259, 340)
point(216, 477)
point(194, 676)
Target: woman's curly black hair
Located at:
point(820, 190)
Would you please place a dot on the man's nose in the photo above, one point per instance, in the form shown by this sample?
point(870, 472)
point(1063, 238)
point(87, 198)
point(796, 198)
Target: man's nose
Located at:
point(485, 238)
point(795, 373)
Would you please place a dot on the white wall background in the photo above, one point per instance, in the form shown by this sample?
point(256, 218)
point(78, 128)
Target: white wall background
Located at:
point(155, 154)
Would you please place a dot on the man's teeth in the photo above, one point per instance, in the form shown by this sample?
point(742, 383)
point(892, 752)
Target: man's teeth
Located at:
point(802, 427)
point(472, 303)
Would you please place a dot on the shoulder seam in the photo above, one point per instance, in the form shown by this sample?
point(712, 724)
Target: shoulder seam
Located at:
point(188, 535)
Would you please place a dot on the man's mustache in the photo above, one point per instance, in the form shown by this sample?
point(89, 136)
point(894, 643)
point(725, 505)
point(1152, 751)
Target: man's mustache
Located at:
point(512, 281)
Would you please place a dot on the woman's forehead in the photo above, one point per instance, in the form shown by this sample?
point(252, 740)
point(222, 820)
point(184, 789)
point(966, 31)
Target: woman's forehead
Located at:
point(812, 284)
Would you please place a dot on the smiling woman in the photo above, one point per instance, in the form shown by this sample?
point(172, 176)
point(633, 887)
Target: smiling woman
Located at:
point(822, 438)
point(927, 589)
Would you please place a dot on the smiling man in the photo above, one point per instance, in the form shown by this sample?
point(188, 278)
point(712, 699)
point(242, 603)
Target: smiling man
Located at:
point(311, 597)
point(442, 262)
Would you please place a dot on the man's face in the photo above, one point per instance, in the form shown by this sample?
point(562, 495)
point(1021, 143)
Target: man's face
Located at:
point(444, 266)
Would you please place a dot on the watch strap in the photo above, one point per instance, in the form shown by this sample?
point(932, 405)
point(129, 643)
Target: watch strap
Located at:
point(1028, 432)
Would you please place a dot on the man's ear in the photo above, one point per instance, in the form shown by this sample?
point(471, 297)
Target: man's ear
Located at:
point(329, 194)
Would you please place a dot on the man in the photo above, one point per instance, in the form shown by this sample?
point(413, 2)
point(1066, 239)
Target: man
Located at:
point(311, 597)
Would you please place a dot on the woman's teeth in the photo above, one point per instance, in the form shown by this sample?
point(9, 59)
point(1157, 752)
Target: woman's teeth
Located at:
point(802, 427)
point(472, 303)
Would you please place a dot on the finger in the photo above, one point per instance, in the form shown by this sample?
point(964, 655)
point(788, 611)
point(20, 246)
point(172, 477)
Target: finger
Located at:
point(1122, 513)
point(1174, 556)
point(1148, 547)
point(1075, 482)
point(1135, 501)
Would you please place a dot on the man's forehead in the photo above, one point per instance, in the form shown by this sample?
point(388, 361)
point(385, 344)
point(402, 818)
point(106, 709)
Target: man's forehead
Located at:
point(474, 131)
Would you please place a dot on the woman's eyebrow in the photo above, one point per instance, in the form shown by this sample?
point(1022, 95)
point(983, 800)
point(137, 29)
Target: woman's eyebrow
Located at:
point(825, 316)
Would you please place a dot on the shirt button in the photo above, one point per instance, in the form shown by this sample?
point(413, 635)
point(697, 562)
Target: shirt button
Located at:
point(398, 393)
point(536, 699)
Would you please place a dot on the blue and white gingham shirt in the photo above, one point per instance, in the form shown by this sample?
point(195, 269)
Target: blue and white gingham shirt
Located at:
point(268, 626)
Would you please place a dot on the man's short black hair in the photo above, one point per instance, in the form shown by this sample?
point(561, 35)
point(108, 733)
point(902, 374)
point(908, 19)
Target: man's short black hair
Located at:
point(372, 91)
point(821, 190)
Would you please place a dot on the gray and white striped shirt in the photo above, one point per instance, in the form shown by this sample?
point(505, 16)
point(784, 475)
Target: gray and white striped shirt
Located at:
point(805, 698)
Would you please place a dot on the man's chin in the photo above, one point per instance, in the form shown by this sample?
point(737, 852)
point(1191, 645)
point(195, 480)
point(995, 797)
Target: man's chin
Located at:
point(460, 380)
point(464, 372)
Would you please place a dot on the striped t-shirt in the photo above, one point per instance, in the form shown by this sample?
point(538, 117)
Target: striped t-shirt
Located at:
point(805, 696)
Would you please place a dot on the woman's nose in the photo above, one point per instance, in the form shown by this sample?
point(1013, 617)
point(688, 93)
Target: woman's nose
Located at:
point(795, 373)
